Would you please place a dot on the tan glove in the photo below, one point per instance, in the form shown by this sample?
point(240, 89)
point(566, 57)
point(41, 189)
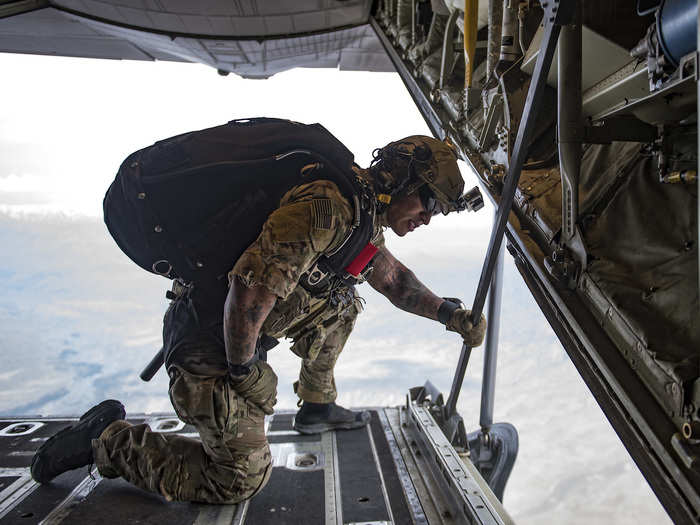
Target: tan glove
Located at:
point(461, 322)
point(258, 387)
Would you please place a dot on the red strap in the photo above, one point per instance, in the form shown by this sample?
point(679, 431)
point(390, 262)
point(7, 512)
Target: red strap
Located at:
point(362, 260)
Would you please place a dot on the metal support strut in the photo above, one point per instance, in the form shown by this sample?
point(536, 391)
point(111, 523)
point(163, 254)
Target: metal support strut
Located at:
point(570, 133)
point(556, 13)
point(494, 448)
point(488, 384)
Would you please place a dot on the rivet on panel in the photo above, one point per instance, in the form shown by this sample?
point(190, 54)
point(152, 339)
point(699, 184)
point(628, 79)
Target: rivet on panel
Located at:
point(142, 195)
point(158, 228)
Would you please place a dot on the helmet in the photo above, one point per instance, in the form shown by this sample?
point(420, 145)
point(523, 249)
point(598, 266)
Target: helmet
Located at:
point(426, 164)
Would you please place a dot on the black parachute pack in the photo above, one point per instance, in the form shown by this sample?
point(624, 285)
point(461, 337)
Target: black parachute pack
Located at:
point(188, 206)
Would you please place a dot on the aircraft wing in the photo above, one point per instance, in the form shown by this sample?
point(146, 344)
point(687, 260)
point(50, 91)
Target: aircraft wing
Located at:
point(252, 39)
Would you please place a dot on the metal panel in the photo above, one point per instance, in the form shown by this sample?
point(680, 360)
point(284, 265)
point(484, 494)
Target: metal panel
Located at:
point(17, 490)
point(165, 424)
point(250, 45)
point(252, 18)
point(11, 8)
point(594, 47)
point(409, 489)
point(298, 456)
point(334, 510)
point(21, 429)
point(74, 499)
point(468, 495)
point(379, 470)
point(675, 101)
point(222, 514)
point(630, 82)
point(50, 32)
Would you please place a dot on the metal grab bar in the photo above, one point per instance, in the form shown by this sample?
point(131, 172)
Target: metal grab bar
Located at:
point(488, 383)
point(556, 14)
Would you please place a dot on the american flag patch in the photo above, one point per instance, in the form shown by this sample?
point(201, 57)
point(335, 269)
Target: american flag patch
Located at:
point(322, 210)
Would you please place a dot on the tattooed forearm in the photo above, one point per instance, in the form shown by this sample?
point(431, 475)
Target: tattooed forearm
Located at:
point(244, 313)
point(253, 314)
point(408, 293)
point(400, 285)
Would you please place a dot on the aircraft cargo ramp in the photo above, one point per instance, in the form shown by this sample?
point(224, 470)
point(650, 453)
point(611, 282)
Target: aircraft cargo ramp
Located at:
point(400, 469)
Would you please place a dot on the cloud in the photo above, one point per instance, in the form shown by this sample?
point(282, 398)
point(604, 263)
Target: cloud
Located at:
point(20, 198)
point(78, 321)
point(34, 407)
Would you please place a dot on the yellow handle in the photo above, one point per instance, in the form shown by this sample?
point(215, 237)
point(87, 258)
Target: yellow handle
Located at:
point(471, 14)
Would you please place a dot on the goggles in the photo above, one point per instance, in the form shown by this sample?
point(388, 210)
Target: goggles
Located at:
point(430, 203)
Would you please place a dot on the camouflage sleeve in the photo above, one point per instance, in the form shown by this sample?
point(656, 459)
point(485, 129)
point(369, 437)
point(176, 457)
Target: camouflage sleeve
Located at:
point(312, 218)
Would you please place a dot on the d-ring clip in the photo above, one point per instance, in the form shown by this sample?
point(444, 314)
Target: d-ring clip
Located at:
point(315, 275)
point(162, 267)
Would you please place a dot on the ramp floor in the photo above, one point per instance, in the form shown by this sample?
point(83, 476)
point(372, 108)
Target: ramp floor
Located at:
point(346, 477)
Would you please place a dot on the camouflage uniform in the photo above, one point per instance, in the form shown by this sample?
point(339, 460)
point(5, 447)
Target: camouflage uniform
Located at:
point(294, 236)
point(232, 463)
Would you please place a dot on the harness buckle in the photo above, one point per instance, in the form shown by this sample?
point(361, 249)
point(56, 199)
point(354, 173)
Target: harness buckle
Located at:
point(315, 275)
point(365, 274)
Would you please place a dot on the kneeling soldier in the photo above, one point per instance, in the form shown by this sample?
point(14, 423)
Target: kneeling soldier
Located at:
point(278, 287)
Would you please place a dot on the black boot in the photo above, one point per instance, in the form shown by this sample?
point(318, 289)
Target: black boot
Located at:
point(314, 418)
point(72, 447)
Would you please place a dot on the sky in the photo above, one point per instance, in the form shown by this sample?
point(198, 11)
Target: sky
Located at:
point(79, 320)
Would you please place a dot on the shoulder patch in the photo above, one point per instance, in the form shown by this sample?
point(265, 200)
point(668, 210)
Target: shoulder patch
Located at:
point(322, 210)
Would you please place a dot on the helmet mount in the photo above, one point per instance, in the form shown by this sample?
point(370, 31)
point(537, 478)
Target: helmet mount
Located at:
point(404, 166)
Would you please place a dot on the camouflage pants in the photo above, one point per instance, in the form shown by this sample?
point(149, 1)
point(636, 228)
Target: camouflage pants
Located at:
point(316, 382)
point(319, 329)
point(230, 464)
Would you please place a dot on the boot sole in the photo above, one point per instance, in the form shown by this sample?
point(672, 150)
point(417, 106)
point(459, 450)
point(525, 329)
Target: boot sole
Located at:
point(106, 403)
point(109, 407)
